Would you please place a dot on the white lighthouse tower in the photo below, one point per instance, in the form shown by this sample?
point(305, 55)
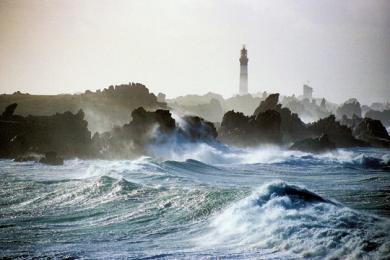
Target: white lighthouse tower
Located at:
point(243, 72)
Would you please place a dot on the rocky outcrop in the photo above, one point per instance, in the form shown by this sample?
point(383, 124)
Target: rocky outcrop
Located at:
point(238, 129)
point(196, 129)
point(373, 132)
point(383, 116)
point(351, 122)
point(339, 134)
point(103, 108)
point(291, 126)
point(151, 128)
point(65, 133)
point(350, 108)
point(314, 145)
point(51, 158)
point(9, 111)
point(270, 103)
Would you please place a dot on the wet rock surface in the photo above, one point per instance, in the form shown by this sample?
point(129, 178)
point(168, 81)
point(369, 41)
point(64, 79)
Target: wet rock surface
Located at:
point(314, 145)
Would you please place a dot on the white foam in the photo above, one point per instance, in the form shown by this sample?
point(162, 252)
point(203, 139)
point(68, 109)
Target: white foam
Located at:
point(312, 230)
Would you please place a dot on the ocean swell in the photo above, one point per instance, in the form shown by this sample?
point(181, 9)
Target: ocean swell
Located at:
point(290, 219)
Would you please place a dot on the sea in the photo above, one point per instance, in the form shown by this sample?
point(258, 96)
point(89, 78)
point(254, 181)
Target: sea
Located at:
point(200, 201)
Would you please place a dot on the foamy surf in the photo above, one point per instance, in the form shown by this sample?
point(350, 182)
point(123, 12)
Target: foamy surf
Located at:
point(199, 201)
point(297, 222)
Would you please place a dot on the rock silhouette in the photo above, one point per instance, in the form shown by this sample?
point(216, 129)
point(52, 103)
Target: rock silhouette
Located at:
point(291, 125)
point(373, 132)
point(103, 108)
point(314, 145)
point(26, 137)
point(350, 108)
point(339, 134)
point(51, 158)
point(241, 130)
point(65, 133)
point(383, 116)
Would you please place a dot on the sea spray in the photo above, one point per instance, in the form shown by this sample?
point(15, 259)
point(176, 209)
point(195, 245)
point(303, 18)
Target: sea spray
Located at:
point(291, 219)
point(200, 203)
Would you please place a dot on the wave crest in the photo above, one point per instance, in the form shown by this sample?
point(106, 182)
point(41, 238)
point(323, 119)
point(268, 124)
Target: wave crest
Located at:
point(371, 162)
point(282, 217)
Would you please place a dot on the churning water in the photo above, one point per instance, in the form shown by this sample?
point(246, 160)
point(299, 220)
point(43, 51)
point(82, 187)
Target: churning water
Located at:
point(200, 201)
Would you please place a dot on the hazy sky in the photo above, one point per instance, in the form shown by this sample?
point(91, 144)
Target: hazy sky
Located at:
point(179, 47)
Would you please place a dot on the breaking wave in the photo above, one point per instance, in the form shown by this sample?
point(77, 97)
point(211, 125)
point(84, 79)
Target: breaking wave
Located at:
point(218, 154)
point(199, 201)
point(290, 219)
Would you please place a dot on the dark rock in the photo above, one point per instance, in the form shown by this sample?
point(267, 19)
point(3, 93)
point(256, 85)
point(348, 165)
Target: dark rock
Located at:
point(314, 145)
point(351, 122)
point(339, 134)
point(103, 109)
point(270, 103)
point(65, 133)
point(241, 130)
point(143, 120)
point(373, 132)
point(199, 129)
point(150, 128)
point(291, 125)
point(9, 110)
point(383, 116)
point(350, 108)
point(52, 159)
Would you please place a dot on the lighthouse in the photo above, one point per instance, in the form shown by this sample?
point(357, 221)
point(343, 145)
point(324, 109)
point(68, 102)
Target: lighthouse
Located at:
point(243, 72)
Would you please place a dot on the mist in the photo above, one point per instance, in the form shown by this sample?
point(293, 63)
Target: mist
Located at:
point(181, 47)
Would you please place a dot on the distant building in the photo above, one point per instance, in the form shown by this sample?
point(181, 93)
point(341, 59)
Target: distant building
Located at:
point(161, 97)
point(307, 92)
point(243, 72)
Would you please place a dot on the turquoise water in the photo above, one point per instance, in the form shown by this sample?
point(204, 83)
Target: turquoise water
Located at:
point(200, 201)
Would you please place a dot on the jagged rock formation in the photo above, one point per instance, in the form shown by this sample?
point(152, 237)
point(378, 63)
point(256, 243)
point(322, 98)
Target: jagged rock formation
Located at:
point(65, 133)
point(9, 111)
point(197, 128)
point(149, 128)
point(270, 103)
point(350, 108)
point(291, 125)
point(51, 158)
point(25, 138)
point(339, 134)
point(351, 122)
point(383, 116)
point(314, 145)
point(238, 129)
point(272, 123)
point(373, 132)
point(103, 108)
